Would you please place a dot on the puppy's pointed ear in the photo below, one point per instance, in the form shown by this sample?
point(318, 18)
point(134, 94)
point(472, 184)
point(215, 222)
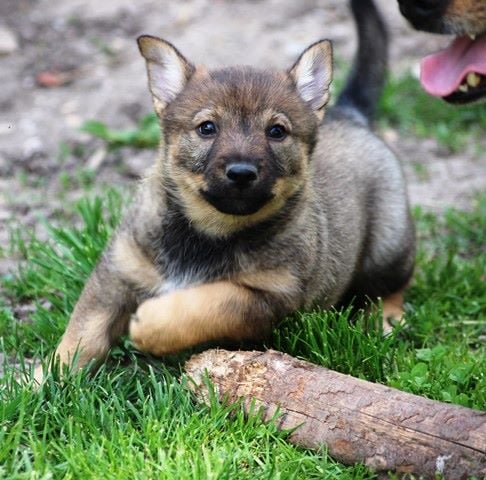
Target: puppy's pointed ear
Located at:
point(168, 70)
point(312, 75)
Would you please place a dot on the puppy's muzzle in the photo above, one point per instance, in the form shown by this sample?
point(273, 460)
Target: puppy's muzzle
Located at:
point(238, 186)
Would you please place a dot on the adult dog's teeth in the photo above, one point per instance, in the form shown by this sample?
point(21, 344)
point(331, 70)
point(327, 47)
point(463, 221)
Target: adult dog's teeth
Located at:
point(472, 36)
point(463, 88)
point(473, 79)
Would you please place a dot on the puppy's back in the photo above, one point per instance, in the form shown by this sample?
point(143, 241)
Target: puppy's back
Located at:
point(360, 188)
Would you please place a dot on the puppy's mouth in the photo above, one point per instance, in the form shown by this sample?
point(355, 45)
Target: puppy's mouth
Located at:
point(457, 73)
point(237, 205)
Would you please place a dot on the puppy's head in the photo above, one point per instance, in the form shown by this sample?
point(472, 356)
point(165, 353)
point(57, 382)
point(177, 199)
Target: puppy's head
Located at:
point(236, 141)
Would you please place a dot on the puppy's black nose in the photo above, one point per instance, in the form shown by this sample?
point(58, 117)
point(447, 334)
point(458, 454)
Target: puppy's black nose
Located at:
point(242, 174)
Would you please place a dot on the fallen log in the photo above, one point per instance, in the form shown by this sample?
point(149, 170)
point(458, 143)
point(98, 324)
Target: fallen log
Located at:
point(360, 422)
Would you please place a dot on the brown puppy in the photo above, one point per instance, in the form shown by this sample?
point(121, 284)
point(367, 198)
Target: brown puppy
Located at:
point(458, 73)
point(255, 207)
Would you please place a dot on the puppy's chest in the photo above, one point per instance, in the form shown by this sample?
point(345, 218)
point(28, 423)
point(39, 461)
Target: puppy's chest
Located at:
point(185, 257)
point(191, 259)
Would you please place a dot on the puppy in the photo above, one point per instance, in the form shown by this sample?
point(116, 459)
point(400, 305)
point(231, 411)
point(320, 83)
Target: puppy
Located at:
point(458, 73)
point(256, 206)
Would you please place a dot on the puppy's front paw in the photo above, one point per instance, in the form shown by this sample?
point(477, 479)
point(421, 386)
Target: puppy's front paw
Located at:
point(151, 327)
point(392, 317)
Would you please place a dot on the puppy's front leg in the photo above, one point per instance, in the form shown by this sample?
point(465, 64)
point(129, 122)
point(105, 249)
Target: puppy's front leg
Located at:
point(102, 312)
point(99, 317)
point(214, 311)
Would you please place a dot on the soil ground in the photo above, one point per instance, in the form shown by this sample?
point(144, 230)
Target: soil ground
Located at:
point(92, 45)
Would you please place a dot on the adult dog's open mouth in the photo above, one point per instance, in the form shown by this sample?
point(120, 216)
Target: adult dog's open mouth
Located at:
point(457, 73)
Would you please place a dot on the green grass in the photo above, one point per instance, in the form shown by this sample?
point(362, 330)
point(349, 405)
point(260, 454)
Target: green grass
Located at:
point(405, 106)
point(139, 422)
point(136, 419)
point(146, 133)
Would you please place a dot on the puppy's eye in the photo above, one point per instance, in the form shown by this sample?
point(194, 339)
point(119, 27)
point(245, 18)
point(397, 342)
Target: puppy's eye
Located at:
point(207, 129)
point(276, 132)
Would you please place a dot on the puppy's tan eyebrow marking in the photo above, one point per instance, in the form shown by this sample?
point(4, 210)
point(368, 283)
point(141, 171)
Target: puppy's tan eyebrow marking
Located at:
point(203, 115)
point(272, 117)
point(282, 119)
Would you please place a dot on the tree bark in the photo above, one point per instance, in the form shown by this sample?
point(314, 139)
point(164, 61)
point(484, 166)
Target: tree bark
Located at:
point(360, 422)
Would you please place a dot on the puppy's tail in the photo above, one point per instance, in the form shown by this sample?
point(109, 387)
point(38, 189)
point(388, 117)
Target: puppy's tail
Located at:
point(367, 77)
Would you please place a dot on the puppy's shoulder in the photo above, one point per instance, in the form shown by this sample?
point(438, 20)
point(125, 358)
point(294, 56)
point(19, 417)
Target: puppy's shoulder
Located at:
point(346, 140)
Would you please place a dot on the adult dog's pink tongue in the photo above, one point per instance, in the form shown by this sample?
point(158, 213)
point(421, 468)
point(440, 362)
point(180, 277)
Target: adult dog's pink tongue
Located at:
point(442, 72)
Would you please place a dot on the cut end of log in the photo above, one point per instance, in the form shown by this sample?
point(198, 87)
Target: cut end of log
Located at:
point(216, 361)
point(205, 366)
point(217, 365)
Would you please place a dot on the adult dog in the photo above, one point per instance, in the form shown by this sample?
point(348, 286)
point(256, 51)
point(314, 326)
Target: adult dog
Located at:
point(457, 73)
